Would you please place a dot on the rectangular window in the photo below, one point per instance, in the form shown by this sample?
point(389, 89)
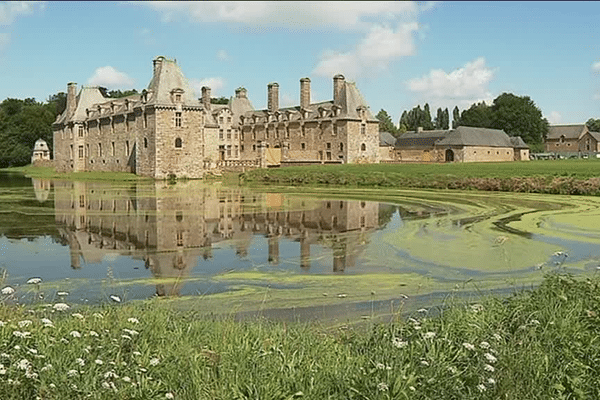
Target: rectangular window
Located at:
point(228, 133)
point(303, 146)
point(221, 134)
point(80, 129)
point(302, 131)
point(177, 97)
point(328, 146)
point(228, 151)
point(127, 148)
point(71, 152)
point(363, 129)
point(235, 135)
point(112, 149)
point(220, 120)
point(180, 238)
point(229, 119)
point(235, 153)
point(335, 130)
point(87, 150)
point(80, 150)
point(145, 120)
point(99, 149)
point(177, 119)
point(242, 147)
point(253, 135)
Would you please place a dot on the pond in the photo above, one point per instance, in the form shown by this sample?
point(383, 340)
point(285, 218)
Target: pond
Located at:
point(288, 253)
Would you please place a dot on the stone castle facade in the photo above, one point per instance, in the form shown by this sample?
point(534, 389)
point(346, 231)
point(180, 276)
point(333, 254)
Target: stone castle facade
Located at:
point(165, 132)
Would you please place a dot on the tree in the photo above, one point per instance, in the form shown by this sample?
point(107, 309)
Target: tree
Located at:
point(478, 115)
point(442, 120)
point(519, 116)
point(58, 102)
point(593, 124)
point(417, 118)
point(385, 122)
point(427, 124)
point(219, 100)
point(455, 118)
point(116, 94)
point(446, 123)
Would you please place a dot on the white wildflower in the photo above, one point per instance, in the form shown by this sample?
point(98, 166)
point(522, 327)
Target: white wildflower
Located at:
point(169, 395)
point(126, 337)
point(61, 307)
point(98, 315)
point(399, 343)
point(2, 323)
point(484, 345)
point(80, 361)
point(115, 298)
point(126, 379)
point(34, 281)
point(72, 373)
point(379, 366)
point(143, 370)
point(46, 322)
point(535, 322)
point(46, 367)
point(78, 316)
point(497, 337)
point(30, 374)
point(155, 361)
point(137, 353)
point(52, 386)
point(105, 385)
point(17, 347)
point(412, 388)
point(23, 364)
point(64, 340)
point(24, 323)
point(425, 363)
point(490, 358)
point(7, 290)
point(2, 370)
point(99, 361)
point(491, 381)
point(469, 346)
point(133, 320)
point(94, 334)
point(111, 375)
point(62, 294)
point(481, 387)
point(131, 332)
point(476, 308)
point(429, 335)
point(422, 310)
point(382, 387)
point(4, 355)
point(20, 334)
point(452, 370)
point(75, 334)
point(489, 368)
point(32, 351)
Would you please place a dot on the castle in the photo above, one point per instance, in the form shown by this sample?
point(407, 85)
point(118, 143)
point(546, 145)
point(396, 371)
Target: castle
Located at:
point(166, 132)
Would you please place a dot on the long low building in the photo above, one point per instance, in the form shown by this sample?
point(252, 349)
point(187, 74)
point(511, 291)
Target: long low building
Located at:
point(166, 132)
point(463, 144)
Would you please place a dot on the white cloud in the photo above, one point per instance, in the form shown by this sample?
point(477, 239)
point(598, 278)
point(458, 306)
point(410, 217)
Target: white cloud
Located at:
point(288, 14)
point(11, 10)
point(374, 52)
point(554, 117)
point(110, 78)
point(596, 66)
point(215, 84)
point(222, 55)
point(463, 86)
point(288, 100)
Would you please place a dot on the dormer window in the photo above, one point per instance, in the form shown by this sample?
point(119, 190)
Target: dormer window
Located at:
point(562, 138)
point(178, 119)
point(176, 95)
point(178, 98)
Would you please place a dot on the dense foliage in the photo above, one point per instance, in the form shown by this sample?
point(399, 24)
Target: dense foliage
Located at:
point(22, 122)
point(385, 123)
point(593, 124)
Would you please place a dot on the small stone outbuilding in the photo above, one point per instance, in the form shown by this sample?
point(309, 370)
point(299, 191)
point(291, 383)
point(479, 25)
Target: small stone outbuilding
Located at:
point(41, 153)
point(572, 139)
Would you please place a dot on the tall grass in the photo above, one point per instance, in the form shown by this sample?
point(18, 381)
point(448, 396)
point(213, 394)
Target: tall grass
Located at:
point(537, 344)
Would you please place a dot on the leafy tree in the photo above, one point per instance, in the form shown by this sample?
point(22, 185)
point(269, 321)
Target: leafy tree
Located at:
point(446, 123)
point(455, 118)
point(519, 116)
point(385, 122)
point(442, 119)
point(219, 100)
point(593, 124)
point(59, 102)
point(417, 118)
point(426, 119)
point(116, 94)
point(478, 115)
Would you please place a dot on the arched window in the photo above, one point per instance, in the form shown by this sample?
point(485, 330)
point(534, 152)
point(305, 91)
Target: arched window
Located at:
point(178, 143)
point(363, 147)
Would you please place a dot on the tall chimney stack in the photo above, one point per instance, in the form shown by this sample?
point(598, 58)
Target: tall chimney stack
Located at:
point(156, 63)
point(304, 93)
point(206, 97)
point(338, 87)
point(71, 98)
point(273, 97)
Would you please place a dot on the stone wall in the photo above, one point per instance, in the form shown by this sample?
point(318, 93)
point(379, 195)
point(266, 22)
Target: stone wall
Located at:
point(483, 154)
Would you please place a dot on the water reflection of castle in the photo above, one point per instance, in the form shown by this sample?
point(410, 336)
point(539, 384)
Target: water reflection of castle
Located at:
point(170, 227)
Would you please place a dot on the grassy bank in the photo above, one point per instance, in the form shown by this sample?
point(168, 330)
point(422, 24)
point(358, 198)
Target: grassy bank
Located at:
point(50, 173)
point(535, 345)
point(548, 176)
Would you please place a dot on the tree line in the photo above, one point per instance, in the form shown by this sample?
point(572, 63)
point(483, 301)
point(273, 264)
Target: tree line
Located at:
point(516, 115)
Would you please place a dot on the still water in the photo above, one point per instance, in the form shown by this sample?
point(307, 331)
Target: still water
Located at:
point(303, 254)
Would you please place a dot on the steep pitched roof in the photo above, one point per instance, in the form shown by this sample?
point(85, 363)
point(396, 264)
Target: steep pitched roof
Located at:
point(595, 135)
point(88, 96)
point(351, 100)
point(420, 139)
point(518, 143)
point(167, 77)
point(386, 139)
point(470, 136)
point(569, 131)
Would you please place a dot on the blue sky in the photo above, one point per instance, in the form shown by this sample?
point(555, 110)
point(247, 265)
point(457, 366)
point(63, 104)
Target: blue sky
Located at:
point(400, 54)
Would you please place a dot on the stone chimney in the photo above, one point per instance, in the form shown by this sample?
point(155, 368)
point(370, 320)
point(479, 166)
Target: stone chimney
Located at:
point(157, 62)
point(71, 98)
point(304, 93)
point(241, 93)
point(273, 97)
point(338, 87)
point(206, 97)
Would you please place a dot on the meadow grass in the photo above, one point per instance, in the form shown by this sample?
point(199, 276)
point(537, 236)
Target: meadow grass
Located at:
point(543, 176)
point(536, 344)
point(50, 173)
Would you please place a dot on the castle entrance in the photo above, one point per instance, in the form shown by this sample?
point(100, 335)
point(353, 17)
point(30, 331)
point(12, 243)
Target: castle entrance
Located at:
point(449, 155)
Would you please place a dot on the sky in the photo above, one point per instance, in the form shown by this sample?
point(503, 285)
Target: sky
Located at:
point(400, 54)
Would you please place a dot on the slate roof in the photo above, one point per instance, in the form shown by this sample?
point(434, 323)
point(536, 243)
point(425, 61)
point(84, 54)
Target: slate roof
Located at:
point(569, 131)
point(595, 135)
point(518, 143)
point(386, 139)
point(350, 100)
point(88, 96)
point(461, 136)
point(469, 136)
point(168, 76)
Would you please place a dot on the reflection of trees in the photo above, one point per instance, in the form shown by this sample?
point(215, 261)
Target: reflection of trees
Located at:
point(386, 211)
point(172, 227)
